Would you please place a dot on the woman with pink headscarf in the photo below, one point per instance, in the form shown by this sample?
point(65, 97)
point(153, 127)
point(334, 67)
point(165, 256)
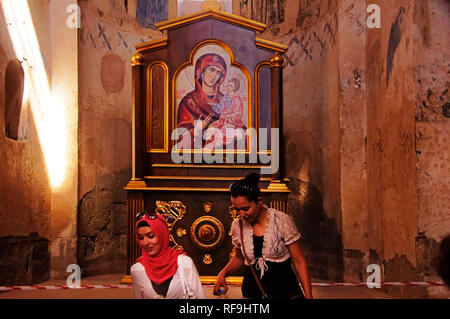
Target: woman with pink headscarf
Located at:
point(162, 271)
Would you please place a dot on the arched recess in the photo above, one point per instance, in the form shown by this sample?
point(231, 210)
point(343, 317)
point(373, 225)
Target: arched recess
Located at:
point(15, 127)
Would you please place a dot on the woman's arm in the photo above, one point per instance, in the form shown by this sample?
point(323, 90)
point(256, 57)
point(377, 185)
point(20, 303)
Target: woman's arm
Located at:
point(233, 265)
point(193, 277)
point(301, 268)
point(140, 279)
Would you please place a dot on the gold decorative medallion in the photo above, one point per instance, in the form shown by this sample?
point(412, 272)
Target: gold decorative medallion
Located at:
point(207, 232)
point(207, 207)
point(181, 232)
point(207, 259)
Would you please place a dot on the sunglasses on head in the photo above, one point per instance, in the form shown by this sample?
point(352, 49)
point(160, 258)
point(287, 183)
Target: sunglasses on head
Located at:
point(149, 215)
point(243, 186)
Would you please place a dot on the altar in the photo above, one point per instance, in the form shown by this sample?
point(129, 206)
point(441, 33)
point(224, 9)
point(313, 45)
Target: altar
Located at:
point(207, 110)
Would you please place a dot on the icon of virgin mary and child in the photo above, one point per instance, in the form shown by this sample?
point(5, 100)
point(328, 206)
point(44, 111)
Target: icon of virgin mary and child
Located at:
point(207, 114)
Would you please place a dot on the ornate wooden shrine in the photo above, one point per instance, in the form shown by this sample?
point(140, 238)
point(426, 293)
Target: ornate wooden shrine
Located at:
point(204, 101)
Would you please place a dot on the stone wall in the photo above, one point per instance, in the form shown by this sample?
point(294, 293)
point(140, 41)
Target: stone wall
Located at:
point(24, 260)
point(109, 32)
point(38, 170)
point(365, 121)
point(432, 124)
point(392, 214)
point(365, 124)
point(25, 204)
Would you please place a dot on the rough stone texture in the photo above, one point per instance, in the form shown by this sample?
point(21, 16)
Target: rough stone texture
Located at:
point(382, 180)
point(321, 241)
point(366, 155)
point(311, 116)
point(29, 202)
point(106, 42)
point(311, 128)
point(324, 123)
point(353, 123)
point(24, 260)
point(311, 125)
point(431, 133)
point(432, 137)
point(391, 156)
point(365, 125)
point(24, 182)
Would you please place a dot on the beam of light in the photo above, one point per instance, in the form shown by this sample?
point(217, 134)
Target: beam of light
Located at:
point(48, 112)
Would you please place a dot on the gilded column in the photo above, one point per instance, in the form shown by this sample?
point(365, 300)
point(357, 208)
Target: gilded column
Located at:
point(134, 189)
point(276, 67)
point(138, 122)
point(135, 204)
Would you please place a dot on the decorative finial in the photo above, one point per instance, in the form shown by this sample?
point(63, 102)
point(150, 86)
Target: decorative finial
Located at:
point(211, 4)
point(276, 60)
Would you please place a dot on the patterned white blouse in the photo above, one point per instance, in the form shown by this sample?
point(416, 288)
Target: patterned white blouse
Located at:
point(280, 232)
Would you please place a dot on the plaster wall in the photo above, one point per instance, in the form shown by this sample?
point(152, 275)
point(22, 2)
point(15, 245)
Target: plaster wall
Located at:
point(64, 87)
point(30, 203)
point(432, 129)
point(392, 214)
point(353, 131)
point(25, 188)
point(311, 124)
point(364, 122)
point(109, 32)
point(432, 126)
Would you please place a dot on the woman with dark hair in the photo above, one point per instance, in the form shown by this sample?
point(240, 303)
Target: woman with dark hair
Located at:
point(266, 242)
point(161, 271)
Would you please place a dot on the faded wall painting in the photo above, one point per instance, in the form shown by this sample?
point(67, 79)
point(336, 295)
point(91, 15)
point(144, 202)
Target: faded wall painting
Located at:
point(266, 11)
point(150, 12)
point(212, 102)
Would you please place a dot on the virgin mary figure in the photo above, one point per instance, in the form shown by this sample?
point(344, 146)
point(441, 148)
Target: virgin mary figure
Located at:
point(201, 103)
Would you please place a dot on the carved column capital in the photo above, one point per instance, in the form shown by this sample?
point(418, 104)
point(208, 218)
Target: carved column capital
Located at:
point(137, 59)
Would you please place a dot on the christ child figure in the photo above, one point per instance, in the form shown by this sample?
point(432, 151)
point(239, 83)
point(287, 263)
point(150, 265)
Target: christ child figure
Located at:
point(230, 122)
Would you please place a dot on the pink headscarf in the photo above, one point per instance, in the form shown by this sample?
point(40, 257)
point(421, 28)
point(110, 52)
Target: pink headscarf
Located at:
point(164, 265)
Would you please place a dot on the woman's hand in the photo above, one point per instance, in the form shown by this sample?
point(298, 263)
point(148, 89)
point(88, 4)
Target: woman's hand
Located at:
point(221, 282)
point(233, 265)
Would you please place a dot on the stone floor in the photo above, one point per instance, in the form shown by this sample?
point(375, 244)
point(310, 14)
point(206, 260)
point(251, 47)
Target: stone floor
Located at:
point(233, 293)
